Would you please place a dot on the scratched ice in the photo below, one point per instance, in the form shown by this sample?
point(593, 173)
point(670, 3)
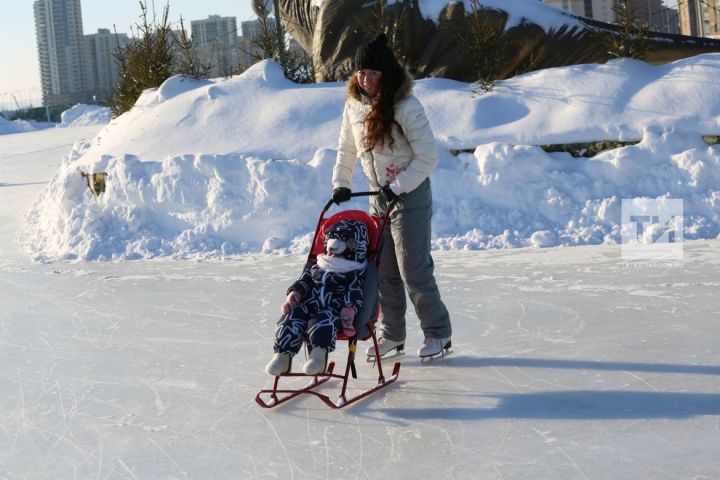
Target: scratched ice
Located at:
point(567, 364)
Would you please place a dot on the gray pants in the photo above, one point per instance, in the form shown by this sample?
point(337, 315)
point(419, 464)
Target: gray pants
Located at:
point(406, 263)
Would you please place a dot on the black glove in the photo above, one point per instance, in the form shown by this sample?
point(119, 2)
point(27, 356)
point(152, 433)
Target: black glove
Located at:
point(341, 194)
point(388, 194)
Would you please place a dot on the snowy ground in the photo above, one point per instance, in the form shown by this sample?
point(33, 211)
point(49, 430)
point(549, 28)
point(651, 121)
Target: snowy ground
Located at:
point(568, 364)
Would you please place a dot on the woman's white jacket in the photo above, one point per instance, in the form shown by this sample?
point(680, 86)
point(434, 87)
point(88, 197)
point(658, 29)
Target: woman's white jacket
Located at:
point(406, 165)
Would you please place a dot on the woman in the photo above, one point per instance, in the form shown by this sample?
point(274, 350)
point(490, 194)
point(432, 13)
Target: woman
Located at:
point(386, 127)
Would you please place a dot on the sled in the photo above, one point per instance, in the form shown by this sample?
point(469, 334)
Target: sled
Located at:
point(364, 323)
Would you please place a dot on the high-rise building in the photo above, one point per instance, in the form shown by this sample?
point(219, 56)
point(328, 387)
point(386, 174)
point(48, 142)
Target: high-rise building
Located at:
point(59, 33)
point(249, 51)
point(215, 40)
point(598, 9)
point(573, 6)
point(713, 11)
point(215, 28)
point(648, 12)
point(699, 18)
point(251, 28)
point(602, 10)
point(100, 62)
point(653, 13)
point(670, 19)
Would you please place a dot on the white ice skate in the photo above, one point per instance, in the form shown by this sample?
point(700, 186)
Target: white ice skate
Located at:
point(433, 347)
point(385, 346)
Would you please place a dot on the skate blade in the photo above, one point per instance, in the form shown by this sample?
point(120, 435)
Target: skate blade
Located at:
point(436, 357)
point(389, 354)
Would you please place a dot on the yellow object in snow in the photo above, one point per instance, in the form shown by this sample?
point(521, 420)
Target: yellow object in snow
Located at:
point(95, 182)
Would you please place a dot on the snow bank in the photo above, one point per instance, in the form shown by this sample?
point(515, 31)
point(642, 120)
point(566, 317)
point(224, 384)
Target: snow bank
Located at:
point(19, 126)
point(205, 169)
point(82, 115)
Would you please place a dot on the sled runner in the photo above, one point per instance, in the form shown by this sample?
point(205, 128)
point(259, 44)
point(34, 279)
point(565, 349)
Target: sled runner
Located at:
point(364, 322)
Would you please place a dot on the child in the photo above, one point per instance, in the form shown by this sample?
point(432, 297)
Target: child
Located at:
point(325, 297)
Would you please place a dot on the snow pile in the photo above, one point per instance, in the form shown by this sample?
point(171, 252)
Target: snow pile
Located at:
point(206, 169)
point(82, 115)
point(19, 126)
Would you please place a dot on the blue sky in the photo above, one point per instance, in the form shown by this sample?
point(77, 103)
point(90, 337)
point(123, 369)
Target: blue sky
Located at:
point(19, 70)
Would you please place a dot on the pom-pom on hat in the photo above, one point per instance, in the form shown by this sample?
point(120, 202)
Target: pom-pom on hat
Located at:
point(376, 55)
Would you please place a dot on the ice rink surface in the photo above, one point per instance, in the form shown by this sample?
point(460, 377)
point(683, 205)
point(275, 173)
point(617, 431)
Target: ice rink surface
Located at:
point(568, 363)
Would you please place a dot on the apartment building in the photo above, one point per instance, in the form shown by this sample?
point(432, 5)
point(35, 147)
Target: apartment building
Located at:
point(597, 9)
point(250, 29)
point(101, 65)
point(74, 68)
point(216, 44)
point(649, 12)
point(59, 35)
point(699, 18)
point(653, 13)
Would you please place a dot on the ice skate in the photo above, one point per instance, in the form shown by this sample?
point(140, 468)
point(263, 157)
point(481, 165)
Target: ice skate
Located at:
point(385, 346)
point(279, 364)
point(433, 347)
point(317, 362)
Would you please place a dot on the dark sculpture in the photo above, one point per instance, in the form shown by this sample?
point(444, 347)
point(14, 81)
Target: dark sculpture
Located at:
point(332, 30)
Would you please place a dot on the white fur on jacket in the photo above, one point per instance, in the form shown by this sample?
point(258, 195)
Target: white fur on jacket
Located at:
point(412, 157)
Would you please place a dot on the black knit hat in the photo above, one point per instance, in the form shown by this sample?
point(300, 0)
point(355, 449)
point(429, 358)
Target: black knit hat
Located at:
point(376, 55)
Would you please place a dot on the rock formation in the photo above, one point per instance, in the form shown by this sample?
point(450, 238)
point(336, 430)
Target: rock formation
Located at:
point(331, 31)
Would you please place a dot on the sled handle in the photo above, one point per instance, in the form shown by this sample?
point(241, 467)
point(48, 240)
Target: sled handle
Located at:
point(390, 207)
point(354, 194)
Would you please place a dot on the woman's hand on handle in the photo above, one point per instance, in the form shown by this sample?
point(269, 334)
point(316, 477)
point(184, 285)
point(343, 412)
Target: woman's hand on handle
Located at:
point(341, 194)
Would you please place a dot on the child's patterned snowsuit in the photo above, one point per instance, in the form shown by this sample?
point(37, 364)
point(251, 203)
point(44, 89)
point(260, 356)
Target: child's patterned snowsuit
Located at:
point(324, 293)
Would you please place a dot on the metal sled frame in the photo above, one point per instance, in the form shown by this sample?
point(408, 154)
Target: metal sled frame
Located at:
point(268, 398)
point(278, 396)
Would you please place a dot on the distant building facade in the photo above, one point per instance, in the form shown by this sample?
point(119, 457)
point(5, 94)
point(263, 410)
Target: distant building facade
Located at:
point(713, 11)
point(74, 68)
point(653, 13)
point(699, 18)
point(100, 63)
point(248, 52)
point(648, 12)
point(59, 35)
point(215, 40)
point(600, 10)
point(250, 29)
point(247, 42)
point(670, 18)
point(219, 44)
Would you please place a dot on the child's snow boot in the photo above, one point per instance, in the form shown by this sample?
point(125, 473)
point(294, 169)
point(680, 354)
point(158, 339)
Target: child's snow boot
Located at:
point(279, 364)
point(317, 362)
